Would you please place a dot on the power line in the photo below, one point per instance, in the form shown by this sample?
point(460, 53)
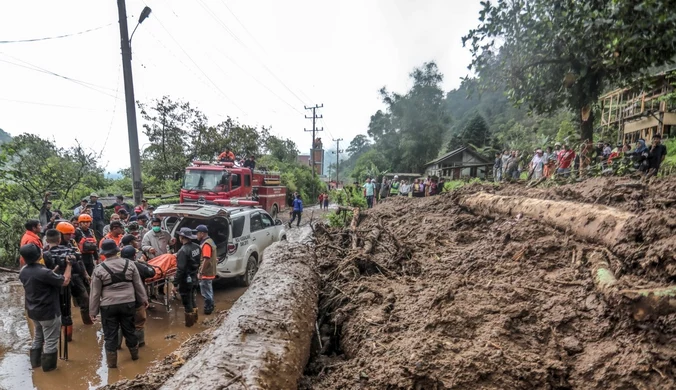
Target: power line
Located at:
point(112, 117)
point(54, 105)
point(29, 66)
point(198, 67)
point(58, 36)
point(253, 55)
point(261, 47)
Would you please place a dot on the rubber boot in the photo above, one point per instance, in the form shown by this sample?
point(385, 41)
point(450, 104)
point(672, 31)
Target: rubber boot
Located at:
point(141, 336)
point(134, 353)
point(86, 318)
point(189, 319)
point(195, 313)
point(208, 308)
point(48, 361)
point(69, 333)
point(111, 359)
point(36, 357)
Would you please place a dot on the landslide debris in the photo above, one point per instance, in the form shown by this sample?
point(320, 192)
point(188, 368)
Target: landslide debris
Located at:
point(423, 294)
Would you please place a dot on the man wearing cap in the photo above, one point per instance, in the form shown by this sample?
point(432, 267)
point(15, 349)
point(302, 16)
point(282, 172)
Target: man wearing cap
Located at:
point(116, 289)
point(81, 208)
point(207, 271)
point(185, 281)
point(97, 213)
point(156, 242)
point(42, 287)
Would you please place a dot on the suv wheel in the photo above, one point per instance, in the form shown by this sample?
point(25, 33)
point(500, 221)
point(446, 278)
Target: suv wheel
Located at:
point(251, 269)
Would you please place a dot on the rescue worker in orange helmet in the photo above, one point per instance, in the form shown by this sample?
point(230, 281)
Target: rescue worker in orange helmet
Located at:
point(80, 280)
point(86, 241)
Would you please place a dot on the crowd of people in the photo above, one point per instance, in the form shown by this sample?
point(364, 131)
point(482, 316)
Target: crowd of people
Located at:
point(419, 188)
point(562, 159)
point(101, 269)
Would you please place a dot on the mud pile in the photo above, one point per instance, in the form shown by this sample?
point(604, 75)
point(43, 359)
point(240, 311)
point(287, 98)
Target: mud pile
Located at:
point(423, 294)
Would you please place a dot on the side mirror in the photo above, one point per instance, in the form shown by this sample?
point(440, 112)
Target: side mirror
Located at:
point(278, 221)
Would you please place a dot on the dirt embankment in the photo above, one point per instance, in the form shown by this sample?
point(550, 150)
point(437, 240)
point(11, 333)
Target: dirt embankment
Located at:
point(429, 295)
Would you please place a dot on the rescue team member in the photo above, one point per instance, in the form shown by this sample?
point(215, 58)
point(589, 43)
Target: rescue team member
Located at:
point(79, 283)
point(41, 287)
point(86, 242)
point(97, 213)
point(31, 236)
point(185, 281)
point(145, 271)
point(116, 288)
point(156, 242)
point(227, 156)
point(116, 233)
point(132, 240)
point(207, 271)
point(56, 256)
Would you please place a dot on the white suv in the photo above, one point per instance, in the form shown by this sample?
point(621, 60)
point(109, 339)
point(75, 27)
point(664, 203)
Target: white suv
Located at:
point(241, 234)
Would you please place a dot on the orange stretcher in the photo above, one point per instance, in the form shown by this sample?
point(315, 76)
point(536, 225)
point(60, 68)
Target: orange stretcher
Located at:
point(159, 286)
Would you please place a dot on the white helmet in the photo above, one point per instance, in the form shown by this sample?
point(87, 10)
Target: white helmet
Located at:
point(396, 177)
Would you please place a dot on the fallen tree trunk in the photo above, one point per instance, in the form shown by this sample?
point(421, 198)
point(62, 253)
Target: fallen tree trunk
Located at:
point(645, 303)
point(353, 227)
point(591, 222)
point(264, 342)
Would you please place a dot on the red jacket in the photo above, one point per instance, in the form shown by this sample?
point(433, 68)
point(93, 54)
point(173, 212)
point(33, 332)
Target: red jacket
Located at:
point(30, 238)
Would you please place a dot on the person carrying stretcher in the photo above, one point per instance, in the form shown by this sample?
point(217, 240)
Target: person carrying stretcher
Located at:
point(185, 281)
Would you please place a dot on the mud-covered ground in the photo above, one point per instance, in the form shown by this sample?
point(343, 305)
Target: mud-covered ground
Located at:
point(451, 300)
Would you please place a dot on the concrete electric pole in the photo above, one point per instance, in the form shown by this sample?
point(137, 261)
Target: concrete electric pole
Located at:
point(132, 130)
point(337, 152)
point(314, 130)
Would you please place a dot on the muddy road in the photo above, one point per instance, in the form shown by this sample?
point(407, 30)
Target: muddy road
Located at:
point(86, 369)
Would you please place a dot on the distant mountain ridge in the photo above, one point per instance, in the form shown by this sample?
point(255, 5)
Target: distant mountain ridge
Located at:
point(4, 136)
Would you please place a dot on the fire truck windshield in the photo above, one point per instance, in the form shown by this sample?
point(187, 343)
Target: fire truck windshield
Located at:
point(206, 180)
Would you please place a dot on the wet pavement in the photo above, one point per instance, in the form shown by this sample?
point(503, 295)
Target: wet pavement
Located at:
point(86, 368)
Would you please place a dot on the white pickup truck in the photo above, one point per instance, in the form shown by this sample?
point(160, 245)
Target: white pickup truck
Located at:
point(241, 234)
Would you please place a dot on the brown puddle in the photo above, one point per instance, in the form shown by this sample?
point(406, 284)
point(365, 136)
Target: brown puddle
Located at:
point(86, 369)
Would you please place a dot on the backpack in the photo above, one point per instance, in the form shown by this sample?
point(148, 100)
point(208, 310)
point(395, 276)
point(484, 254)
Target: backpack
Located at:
point(87, 245)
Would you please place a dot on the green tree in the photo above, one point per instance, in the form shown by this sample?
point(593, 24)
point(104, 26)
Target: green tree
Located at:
point(555, 53)
point(283, 150)
point(475, 133)
point(566, 132)
point(369, 164)
point(31, 166)
point(415, 122)
point(359, 144)
point(167, 128)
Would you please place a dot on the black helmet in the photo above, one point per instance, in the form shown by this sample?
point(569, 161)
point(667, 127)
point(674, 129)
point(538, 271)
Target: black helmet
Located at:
point(127, 239)
point(128, 252)
point(30, 253)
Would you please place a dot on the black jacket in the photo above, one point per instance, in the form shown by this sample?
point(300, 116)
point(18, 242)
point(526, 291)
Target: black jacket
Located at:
point(187, 264)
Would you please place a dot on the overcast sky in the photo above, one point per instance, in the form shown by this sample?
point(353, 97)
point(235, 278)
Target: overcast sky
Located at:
point(258, 61)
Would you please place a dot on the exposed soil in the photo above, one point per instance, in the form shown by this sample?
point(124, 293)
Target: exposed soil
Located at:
point(431, 296)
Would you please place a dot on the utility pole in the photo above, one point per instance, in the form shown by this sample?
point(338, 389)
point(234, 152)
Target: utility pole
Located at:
point(337, 152)
point(314, 130)
point(132, 130)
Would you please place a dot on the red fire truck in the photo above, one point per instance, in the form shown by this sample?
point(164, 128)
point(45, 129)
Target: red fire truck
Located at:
point(223, 182)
